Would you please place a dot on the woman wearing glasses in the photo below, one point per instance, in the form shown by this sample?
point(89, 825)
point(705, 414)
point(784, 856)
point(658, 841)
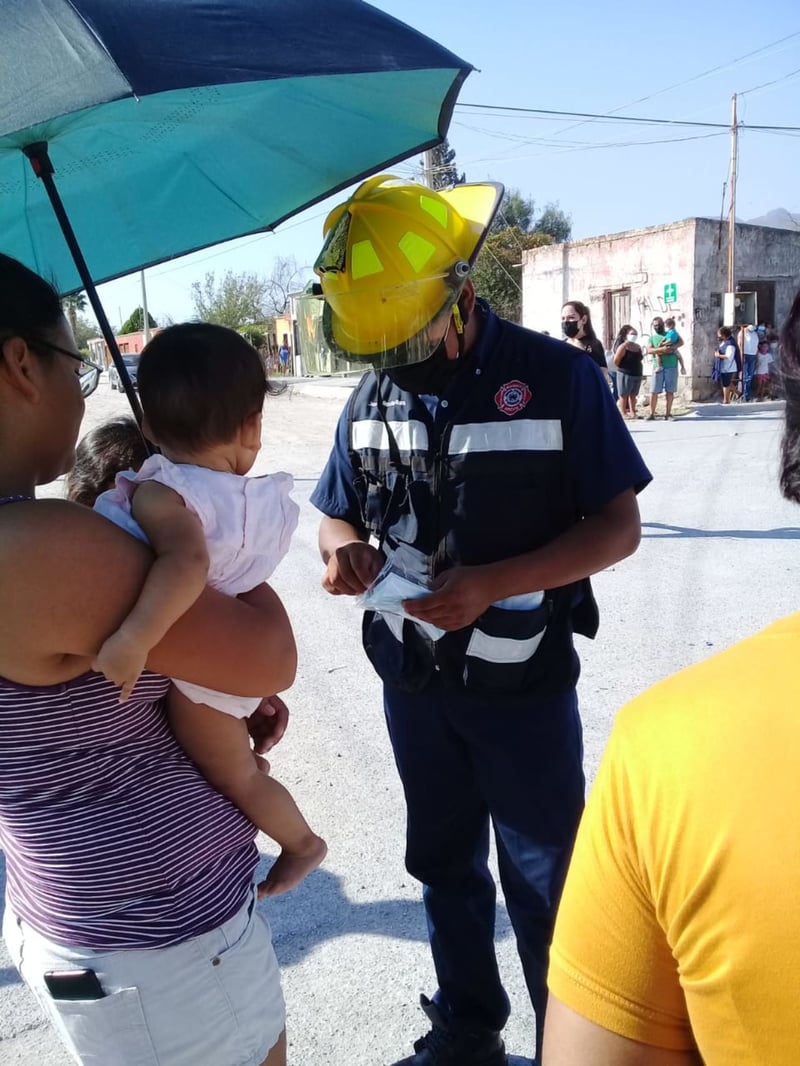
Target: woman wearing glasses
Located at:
point(129, 906)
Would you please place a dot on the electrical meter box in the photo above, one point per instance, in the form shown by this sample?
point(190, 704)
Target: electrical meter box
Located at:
point(739, 308)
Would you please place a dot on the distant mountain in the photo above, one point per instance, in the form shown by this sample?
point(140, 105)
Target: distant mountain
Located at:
point(780, 218)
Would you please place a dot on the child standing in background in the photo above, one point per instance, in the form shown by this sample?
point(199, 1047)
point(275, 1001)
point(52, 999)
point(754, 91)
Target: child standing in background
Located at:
point(763, 360)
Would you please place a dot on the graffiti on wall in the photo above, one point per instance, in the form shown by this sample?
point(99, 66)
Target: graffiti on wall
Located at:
point(657, 305)
point(652, 306)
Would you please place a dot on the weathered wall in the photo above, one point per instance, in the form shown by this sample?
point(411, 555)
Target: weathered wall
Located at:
point(762, 254)
point(692, 255)
point(643, 261)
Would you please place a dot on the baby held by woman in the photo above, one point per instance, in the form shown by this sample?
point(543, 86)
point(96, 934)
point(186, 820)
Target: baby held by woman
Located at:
point(202, 389)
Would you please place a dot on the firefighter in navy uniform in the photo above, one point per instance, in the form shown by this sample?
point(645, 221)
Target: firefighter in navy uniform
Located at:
point(489, 464)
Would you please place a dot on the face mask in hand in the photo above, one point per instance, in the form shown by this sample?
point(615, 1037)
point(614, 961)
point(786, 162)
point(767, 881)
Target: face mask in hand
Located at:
point(570, 329)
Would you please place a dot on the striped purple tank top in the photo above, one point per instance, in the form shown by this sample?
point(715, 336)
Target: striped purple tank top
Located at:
point(112, 837)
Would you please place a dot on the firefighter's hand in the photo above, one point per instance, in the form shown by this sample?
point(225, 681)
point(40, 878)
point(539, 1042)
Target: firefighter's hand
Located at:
point(459, 597)
point(352, 568)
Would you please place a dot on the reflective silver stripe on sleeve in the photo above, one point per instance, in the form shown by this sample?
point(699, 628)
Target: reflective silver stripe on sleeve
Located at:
point(502, 649)
point(370, 433)
point(527, 435)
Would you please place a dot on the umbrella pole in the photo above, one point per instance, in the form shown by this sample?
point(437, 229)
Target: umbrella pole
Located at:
point(43, 169)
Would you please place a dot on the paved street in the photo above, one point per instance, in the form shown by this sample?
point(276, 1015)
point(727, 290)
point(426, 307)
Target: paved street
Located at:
point(717, 561)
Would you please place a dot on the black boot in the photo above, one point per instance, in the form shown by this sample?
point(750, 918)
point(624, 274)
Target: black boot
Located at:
point(455, 1045)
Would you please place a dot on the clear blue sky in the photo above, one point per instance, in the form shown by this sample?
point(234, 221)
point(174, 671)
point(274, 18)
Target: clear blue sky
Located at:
point(605, 175)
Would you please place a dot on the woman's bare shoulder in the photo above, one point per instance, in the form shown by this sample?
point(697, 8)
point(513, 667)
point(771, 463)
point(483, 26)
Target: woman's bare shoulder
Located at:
point(67, 576)
point(63, 539)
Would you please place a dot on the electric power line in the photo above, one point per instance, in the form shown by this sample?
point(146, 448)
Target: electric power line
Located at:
point(768, 84)
point(511, 278)
point(688, 81)
point(559, 149)
point(496, 109)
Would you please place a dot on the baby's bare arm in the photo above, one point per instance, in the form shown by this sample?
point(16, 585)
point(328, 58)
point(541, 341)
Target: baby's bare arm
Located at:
point(173, 584)
point(179, 573)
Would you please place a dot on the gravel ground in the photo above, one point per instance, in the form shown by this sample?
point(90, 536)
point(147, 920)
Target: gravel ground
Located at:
point(714, 566)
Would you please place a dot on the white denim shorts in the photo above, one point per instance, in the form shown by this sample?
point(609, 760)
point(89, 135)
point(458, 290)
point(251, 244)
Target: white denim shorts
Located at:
point(213, 999)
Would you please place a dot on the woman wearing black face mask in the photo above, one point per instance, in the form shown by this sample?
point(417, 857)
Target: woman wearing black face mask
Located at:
point(576, 325)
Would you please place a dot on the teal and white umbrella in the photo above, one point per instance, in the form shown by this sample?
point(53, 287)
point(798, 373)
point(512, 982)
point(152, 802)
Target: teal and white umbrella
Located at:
point(159, 127)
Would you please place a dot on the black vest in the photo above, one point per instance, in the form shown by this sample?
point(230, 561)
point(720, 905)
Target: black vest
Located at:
point(485, 481)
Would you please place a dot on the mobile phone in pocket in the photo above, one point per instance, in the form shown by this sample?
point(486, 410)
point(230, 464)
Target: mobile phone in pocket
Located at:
point(73, 985)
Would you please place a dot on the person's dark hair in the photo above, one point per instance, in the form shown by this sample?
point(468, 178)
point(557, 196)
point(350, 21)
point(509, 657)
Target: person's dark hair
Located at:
point(29, 305)
point(724, 332)
point(105, 451)
point(582, 310)
point(669, 323)
point(198, 383)
point(622, 336)
point(789, 370)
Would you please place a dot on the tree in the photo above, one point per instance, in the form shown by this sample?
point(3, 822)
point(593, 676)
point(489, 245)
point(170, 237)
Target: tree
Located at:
point(515, 212)
point(444, 172)
point(497, 274)
point(286, 277)
point(83, 330)
point(73, 305)
point(259, 336)
point(134, 323)
point(554, 222)
point(236, 301)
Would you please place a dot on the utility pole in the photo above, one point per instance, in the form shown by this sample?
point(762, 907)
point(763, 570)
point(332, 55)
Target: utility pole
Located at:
point(732, 215)
point(145, 316)
point(428, 165)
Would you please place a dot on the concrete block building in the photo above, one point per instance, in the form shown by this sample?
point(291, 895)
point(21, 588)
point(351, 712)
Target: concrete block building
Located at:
point(678, 269)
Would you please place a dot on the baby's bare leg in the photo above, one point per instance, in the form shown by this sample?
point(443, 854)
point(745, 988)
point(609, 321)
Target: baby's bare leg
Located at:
point(219, 745)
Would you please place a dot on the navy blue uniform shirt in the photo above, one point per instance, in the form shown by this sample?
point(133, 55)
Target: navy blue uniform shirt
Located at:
point(601, 455)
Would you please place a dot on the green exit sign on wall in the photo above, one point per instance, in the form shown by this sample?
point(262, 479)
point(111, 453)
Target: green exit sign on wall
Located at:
point(671, 293)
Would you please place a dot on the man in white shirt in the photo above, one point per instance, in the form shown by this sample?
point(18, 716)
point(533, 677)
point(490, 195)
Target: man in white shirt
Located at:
point(748, 346)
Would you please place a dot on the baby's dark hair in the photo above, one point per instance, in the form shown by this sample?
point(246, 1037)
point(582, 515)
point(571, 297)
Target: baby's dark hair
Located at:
point(105, 451)
point(198, 383)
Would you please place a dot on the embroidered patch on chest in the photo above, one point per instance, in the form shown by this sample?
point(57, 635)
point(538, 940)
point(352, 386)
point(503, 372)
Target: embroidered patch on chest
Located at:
point(512, 397)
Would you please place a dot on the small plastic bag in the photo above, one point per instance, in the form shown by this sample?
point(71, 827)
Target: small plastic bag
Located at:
point(387, 592)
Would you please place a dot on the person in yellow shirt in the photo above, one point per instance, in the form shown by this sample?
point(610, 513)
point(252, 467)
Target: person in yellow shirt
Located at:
point(678, 936)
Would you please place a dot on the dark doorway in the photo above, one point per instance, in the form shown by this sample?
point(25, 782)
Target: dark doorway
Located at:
point(765, 298)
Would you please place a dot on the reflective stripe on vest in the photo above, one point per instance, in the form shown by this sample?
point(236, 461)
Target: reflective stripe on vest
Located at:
point(481, 645)
point(502, 649)
point(476, 483)
point(530, 435)
point(371, 433)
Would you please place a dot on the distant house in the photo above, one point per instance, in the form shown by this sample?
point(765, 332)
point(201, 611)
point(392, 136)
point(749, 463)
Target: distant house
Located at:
point(128, 344)
point(678, 269)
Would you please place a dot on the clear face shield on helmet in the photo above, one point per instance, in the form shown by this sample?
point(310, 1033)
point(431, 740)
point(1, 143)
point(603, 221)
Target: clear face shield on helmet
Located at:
point(354, 331)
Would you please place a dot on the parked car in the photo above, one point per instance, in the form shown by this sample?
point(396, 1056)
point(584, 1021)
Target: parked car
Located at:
point(131, 365)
